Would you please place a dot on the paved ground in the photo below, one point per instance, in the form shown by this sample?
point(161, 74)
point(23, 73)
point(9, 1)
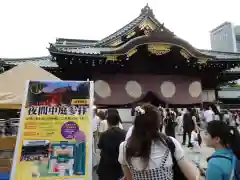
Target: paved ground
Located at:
point(205, 153)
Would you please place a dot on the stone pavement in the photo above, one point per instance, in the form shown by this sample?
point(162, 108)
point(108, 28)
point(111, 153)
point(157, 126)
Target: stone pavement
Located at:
point(205, 152)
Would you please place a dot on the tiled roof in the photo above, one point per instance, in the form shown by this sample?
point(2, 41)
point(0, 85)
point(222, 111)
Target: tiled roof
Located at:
point(74, 45)
point(45, 61)
point(146, 12)
point(221, 55)
point(79, 41)
point(97, 51)
point(62, 42)
point(87, 51)
point(95, 48)
point(123, 30)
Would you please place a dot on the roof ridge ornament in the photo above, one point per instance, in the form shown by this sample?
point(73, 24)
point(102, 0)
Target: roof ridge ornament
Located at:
point(147, 11)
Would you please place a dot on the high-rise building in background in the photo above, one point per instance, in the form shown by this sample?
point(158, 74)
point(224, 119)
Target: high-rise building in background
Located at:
point(226, 38)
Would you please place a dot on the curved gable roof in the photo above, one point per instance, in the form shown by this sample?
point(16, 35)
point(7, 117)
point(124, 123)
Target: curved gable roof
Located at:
point(146, 13)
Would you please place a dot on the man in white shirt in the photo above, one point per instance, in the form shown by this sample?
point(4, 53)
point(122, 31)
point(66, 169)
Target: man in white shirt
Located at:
point(179, 127)
point(95, 120)
point(208, 115)
point(95, 123)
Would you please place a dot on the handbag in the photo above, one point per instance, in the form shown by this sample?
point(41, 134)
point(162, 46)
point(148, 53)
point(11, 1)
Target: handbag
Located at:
point(199, 139)
point(177, 173)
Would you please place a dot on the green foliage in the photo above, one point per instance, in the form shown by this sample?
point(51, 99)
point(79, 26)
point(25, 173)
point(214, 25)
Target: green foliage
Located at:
point(235, 85)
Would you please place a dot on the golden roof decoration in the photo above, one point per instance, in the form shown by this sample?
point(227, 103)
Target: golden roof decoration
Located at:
point(147, 23)
point(159, 49)
point(131, 34)
point(131, 52)
point(111, 58)
point(185, 54)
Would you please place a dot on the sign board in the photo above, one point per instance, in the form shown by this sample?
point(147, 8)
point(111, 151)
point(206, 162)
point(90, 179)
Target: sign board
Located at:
point(55, 133)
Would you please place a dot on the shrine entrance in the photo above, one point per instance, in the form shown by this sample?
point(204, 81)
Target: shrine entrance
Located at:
point(152, 98)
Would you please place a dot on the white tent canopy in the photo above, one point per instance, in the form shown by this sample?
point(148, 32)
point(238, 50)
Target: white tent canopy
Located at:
point(13, 82)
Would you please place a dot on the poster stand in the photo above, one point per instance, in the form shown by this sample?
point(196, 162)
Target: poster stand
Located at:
point(55, 132)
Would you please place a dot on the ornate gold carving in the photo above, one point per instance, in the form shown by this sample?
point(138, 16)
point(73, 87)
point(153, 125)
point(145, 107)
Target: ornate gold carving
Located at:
point(131, 34)
point(131, 52)
point(185, 54)
point(158, 49)
point(147, 30)
point(116, 42)
point(111, 58)
point(147, 23)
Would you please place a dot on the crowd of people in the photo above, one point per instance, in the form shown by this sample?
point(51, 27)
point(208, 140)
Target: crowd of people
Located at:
point(150, 151)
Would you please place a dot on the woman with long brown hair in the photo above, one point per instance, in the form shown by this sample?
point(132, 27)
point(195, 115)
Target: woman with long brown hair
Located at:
point(147, 153)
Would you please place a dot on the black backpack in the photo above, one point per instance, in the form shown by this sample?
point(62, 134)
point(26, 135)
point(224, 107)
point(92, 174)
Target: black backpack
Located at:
point(177, 173)
point(235, 174)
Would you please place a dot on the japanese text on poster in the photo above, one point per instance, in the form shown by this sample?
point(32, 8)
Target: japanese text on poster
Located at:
point(55, 132)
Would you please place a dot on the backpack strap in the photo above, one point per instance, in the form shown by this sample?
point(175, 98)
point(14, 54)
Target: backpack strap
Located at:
point(177, 172)
point(171, 146)
point(219, 156)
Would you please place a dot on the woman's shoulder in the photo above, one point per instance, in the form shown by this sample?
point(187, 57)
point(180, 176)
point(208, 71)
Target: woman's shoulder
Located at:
point(221, 159)
point(175, 141)
point(222, 164)
point(122, 153)
point(218, 160)
point(179, 152)
point(123, 144)
point(122, 148)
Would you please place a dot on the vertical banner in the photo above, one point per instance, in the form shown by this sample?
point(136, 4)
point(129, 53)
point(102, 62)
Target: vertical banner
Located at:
point(55, 134)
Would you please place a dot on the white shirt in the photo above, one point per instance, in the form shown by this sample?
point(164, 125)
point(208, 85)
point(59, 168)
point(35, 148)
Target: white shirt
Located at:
point(129, 133)
point(103, 126)
point(208, 115)
point(238, 120)
point(238, 128)
point(179, 120)
point(156, 156)
point(216, 117)
point(232, 122)
point(173, 112)
point(95, 123)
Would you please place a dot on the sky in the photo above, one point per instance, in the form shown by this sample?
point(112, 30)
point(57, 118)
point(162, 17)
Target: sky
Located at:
point(27, 26)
